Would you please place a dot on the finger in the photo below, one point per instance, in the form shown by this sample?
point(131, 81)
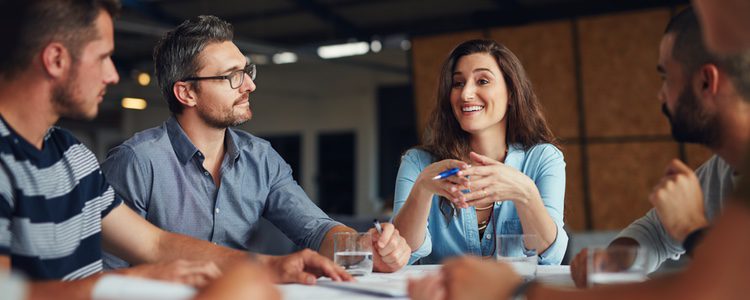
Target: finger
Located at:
point(305, 278)
point(454, 191)
point(457, 180)
point(481, 159)
point(385, 236)
point(680, 167)
point(390, 246)
point(327, 268)
point(454, 163)
point(197, 281)
point(477, 171)
point(208, 269)
point(213, 270)
point(478, 195)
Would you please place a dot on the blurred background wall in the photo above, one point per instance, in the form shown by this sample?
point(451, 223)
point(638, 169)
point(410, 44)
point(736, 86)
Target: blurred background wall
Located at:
point(342, 123)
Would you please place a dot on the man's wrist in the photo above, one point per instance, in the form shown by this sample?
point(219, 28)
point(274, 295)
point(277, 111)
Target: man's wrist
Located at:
point(692, 227)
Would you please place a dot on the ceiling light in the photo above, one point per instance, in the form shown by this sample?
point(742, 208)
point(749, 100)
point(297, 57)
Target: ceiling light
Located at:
point(134, 103)
point(376, 46)
point(405, 45)
point(342, 50)
point(284, 58)
point(143, 78)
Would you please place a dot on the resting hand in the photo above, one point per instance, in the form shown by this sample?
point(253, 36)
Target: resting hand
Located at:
point(194, 273)
point(471, 278)
point(390, 250)
point(430, 287)
point(578, 269)
point(246, 280)
point(678, 201)
point(305, 267)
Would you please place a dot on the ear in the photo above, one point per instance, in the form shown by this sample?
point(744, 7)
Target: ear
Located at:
point(56, 59)
point(708, 81)
point(184, 93)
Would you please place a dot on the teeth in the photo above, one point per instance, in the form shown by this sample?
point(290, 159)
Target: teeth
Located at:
point(472, 108)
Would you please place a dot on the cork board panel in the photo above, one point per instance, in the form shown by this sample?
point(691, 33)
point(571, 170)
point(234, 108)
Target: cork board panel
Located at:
point(621, 177)
point(546, 52)
point(696, 155)
point(428, 54)
point(619, 54)
point(575, 213)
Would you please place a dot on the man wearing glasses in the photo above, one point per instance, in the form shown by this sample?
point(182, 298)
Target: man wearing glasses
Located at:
point(197, 176)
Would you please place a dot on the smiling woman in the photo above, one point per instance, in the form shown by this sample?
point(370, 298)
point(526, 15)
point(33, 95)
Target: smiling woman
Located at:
point(488, 123)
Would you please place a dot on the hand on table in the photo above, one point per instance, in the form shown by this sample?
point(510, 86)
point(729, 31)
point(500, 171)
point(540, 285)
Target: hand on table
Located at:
point(305, 267)
point(578, 269)
point(468, 278)
point(194, 273)
point(246, 280)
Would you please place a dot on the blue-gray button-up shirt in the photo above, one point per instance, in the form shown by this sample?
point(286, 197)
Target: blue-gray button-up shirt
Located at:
point(160, 174)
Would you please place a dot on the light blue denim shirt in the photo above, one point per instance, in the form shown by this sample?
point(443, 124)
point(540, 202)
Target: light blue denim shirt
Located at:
point(543, 163)
point(160, 174)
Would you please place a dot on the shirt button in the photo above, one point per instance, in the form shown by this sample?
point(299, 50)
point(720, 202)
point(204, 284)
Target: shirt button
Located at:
point(205, 173)
point(216, 210)
point(488, 236)
point(200, 154)
point(15, 141)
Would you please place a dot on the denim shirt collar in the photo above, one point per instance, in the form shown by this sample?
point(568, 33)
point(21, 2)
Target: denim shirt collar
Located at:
point(184, 148)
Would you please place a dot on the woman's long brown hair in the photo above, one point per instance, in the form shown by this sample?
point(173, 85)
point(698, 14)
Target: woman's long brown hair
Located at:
point(444, 138)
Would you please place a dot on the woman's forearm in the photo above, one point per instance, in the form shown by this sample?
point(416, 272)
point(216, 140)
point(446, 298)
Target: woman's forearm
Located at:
point(411, 220)
point(535, 219)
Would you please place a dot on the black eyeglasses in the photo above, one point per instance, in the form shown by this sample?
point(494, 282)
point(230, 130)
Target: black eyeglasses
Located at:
point(235, 78)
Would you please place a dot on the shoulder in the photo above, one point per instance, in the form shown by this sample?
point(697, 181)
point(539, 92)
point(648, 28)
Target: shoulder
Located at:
point(140, 147)
point(417, 157)
point(245, 140)
point(70, 147)
point(62, 136)
point(147, 139)
point(715, 165)
point(544, 152)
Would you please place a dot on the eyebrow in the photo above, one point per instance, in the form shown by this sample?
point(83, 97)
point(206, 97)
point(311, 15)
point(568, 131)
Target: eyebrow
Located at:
point(232, 68)
point(476, 70)
point(235, 68)
point(109, 53)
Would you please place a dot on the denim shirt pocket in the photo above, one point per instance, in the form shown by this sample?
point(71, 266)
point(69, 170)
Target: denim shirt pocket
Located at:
point(510, 226)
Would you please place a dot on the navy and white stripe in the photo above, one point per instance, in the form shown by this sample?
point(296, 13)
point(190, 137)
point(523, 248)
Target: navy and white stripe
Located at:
point(52, 202)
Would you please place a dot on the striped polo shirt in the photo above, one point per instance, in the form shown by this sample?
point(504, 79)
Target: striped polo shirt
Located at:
point(52, 202)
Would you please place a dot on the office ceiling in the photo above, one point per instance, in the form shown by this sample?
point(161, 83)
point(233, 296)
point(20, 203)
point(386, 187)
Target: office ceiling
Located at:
point(271, 26)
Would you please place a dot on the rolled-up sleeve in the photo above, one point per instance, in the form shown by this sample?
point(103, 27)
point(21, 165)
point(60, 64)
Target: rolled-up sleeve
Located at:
point(289, 208)
point(550, 182)
point(653, 238)
point(408, 172)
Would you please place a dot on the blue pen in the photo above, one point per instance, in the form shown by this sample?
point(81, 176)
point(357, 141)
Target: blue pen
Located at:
point(446, 174)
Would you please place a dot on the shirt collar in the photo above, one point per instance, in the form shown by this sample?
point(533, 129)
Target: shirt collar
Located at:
point(181, 144)
point(231, 139)
point(514, 156)
point(184, 148)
